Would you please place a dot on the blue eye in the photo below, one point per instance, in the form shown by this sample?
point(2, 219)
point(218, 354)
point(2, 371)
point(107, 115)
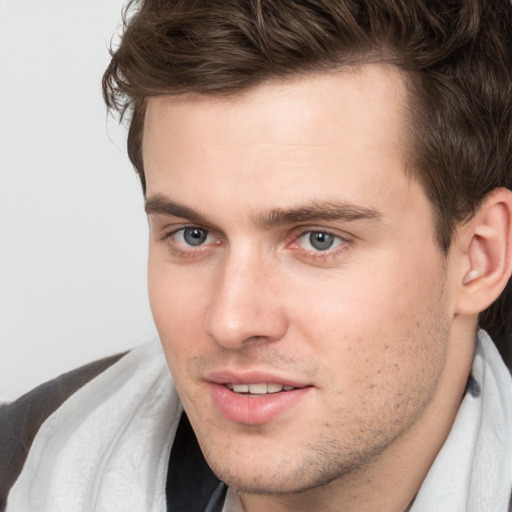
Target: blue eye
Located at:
point(192, 237)
point(319, 241)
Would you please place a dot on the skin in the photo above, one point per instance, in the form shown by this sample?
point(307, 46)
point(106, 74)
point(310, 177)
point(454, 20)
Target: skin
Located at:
point(370, 324)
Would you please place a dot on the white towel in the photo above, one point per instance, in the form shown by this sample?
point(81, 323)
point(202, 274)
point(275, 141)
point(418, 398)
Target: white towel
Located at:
point(106, 449)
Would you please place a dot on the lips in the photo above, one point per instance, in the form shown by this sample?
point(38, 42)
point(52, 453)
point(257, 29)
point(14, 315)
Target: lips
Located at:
point(254, 398)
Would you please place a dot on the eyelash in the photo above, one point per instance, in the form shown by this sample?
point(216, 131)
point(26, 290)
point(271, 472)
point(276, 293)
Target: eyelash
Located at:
point(308, 254)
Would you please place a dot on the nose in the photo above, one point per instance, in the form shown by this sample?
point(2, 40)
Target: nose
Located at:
point(246, 304)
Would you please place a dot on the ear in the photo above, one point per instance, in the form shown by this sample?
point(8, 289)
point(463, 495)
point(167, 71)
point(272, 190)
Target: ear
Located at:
point(487, 253)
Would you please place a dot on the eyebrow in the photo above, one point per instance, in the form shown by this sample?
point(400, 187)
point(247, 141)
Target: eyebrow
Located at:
point(160, 204)
point(319, 210)
point(316, 210)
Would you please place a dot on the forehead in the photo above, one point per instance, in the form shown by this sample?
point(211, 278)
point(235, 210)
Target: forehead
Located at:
point(278, 110)
point(327, 136)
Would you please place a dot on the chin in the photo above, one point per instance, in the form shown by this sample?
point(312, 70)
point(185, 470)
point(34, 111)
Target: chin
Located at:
point(277, 474)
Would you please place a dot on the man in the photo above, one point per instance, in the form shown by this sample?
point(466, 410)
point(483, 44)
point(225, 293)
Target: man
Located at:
point(328, 190)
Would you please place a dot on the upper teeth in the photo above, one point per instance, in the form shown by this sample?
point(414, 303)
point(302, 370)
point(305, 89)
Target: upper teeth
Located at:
point(258, 389)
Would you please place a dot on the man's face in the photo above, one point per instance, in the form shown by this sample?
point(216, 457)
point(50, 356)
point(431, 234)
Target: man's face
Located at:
point(302, 302)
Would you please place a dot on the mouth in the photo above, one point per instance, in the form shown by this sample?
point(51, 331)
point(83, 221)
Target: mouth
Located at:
point(258, 389)
point(256, 398)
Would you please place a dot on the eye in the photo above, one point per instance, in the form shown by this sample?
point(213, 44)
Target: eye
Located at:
point(192, 237)
point(319, 241)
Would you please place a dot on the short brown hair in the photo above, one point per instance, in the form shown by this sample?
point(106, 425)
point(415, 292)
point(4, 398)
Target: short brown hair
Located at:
point(456, 55)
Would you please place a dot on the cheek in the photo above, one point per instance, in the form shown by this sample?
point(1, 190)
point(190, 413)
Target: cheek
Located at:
point(178, 303)
point(380, 356)
point(377, 323)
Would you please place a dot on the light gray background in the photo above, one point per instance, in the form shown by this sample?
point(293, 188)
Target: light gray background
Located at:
point(73, 234)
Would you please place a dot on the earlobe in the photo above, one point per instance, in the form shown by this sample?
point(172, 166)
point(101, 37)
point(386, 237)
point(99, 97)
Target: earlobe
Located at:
point(488, 252)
